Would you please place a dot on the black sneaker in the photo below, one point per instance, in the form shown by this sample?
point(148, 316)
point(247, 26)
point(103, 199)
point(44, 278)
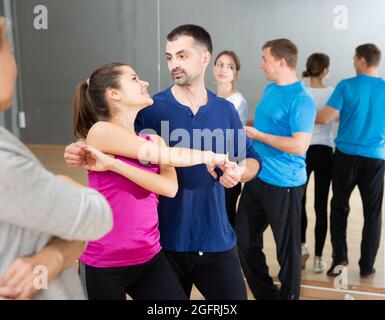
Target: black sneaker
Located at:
point(334, 273)
point(367, 274)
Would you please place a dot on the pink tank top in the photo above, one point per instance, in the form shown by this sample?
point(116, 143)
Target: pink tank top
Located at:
point(134, 238)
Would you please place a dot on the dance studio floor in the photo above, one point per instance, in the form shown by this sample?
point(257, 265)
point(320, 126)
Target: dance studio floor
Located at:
point(52, 158)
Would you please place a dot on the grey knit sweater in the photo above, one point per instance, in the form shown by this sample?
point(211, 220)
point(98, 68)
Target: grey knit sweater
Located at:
point(35, 207)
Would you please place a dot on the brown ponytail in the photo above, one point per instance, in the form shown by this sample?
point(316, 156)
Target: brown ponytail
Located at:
point(316, 64)
point(84, 114)
point(89, 102)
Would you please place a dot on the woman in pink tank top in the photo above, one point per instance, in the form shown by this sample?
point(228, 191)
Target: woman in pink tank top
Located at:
point(130, 170)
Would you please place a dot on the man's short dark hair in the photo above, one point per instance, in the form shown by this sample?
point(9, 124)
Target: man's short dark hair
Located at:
point(283, 49)
point(199, 34)
point(370, 52)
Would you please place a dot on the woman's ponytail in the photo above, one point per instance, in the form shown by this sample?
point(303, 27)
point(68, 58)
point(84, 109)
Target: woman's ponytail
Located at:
point(84, 114)
point(316, 64)
point(89, 103)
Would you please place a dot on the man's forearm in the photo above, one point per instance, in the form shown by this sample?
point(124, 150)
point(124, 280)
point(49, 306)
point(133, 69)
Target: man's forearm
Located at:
point(250, 169)
point(285, 144)
point(326, 115)
point(65, 251)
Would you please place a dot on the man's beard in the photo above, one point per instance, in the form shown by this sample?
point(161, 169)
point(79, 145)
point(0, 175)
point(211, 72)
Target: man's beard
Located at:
point(184, 80)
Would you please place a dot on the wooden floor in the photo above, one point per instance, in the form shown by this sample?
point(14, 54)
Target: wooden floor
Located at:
point(52, 158)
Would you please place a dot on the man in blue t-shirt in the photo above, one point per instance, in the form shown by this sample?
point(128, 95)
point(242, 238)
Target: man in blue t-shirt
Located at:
point(359, 157)
point(284, 121)
point(194, 228)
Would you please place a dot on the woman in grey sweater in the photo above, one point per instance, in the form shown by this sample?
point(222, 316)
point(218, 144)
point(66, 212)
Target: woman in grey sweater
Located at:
point(44, 219)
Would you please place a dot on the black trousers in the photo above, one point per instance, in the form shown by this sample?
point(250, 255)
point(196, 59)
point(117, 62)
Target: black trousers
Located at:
point(262, 205)
point(216, 275)
point(153, 280)
point(319, 160)
point(368, 174)
point(232, 195)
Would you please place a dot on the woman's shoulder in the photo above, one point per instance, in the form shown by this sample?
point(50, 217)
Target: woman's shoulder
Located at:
point(107, 130)
point(320, 90)
point(238, 100)
point(102, 125)
point(236, 96)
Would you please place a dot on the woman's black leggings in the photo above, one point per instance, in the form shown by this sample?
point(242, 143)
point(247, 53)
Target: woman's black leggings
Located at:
point(318, 160)
point(153, 280)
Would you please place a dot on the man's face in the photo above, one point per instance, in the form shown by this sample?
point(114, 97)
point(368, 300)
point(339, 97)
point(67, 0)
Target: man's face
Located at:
point(270, 65)
point(359, 63)
point(186, 60)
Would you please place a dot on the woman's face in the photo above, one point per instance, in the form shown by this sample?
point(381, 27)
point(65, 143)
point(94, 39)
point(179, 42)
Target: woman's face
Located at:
point(133, 91)
point(225, 70)
point(8, 73)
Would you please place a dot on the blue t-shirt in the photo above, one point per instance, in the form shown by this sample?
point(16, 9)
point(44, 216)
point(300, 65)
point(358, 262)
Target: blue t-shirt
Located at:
point(196, 220)
point(361, 103)
point(282, 111)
